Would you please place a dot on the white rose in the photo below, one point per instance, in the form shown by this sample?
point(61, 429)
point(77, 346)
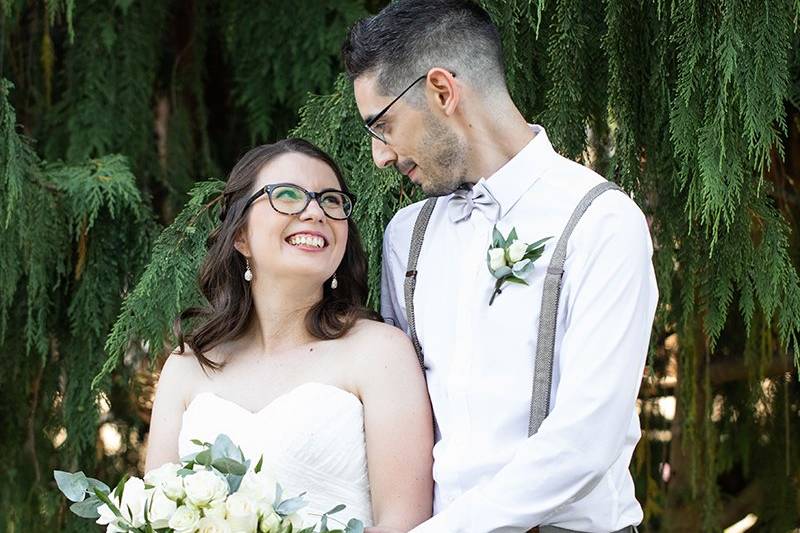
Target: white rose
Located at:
point(270, 523)
point(242, 513)
point(185, 519)
point(204, 487)
point(131, 507)
point(158, 476)
point(517, 251)
point(497, 258)
point(298, 519)
point(173, 488)
point(258, 487)
point(213, 524)
point(160, 509)
point(264, 508)
point(216, 509)
point(167, 479)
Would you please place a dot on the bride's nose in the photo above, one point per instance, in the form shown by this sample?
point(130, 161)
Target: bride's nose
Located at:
point(313, 212)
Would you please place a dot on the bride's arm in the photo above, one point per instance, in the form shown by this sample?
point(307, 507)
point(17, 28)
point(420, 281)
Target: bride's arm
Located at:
point(398, 425)
point(168, 407)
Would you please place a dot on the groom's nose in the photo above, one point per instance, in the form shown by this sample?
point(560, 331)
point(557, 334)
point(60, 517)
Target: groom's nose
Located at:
point(382, 154)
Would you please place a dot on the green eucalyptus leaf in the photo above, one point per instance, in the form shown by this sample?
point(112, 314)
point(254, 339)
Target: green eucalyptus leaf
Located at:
point(224, 447)
point(291, 505)
point(259, 464)
point(521, 265)
point(537, 244)
point(498, 241)
point(512, 236)
point(72, 485)
point(515, 279)
point(226, 465)
point(502, 272)
point(534, 255)
point(336, 509)
point(120, 488)
point(87, 508)
point(204, 458)
point(203, 443)
point(97, 484)
point(354, 526)
point(234, 481)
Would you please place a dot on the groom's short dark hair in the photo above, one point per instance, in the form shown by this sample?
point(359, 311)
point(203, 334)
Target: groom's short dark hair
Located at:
point(409, 37)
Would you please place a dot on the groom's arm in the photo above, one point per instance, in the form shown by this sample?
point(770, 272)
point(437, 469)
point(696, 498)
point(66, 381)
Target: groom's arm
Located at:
point(611, 295)
point(393, 269)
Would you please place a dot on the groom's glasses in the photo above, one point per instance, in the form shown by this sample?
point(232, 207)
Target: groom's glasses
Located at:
point(291, 199)
point(376, 130)
point(371, 124)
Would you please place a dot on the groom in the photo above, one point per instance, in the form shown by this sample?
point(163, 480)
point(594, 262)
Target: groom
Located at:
point(534, 395)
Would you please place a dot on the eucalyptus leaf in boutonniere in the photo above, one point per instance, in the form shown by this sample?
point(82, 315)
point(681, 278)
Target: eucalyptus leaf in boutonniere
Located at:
point(510, 259)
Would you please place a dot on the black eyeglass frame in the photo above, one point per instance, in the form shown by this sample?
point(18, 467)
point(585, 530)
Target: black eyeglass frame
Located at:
point(310, 195)
point(368, 124)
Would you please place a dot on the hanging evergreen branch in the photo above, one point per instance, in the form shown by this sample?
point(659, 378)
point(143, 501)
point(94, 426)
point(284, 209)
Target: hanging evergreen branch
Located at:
point(74, 236)
point(282, 51)
point(168, 284)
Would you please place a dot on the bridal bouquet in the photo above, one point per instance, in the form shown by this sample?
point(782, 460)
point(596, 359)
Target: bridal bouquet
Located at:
point(212, 491)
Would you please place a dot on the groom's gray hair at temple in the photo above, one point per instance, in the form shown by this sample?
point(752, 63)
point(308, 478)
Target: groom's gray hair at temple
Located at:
point(408, 38)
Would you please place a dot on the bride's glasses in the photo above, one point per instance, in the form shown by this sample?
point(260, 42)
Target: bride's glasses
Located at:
point(291, 199)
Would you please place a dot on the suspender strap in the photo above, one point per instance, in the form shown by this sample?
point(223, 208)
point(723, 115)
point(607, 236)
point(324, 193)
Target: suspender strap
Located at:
point(411, 273)
point(545, 347)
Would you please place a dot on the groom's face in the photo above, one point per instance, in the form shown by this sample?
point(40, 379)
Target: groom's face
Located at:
point(418, 144)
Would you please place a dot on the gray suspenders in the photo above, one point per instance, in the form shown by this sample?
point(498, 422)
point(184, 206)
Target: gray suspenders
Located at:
point(411, 273)
point(545, 345)
point(543, 363)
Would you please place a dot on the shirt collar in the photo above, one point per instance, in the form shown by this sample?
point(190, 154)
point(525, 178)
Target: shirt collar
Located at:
point(512, 180)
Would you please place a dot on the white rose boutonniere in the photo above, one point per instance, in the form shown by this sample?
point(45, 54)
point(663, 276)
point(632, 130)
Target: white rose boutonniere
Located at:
point(510, 259)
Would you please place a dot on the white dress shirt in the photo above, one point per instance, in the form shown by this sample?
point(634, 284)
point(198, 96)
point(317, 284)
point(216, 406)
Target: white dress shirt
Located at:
point(489, 475)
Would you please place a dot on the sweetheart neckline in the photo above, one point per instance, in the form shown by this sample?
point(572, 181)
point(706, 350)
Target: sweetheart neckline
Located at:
point(274, 400)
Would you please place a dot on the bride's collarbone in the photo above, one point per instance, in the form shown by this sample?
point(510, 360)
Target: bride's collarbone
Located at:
point(254, 382)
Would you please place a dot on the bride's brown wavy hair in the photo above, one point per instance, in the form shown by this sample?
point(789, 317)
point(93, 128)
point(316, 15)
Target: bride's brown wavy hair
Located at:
point(221, 277)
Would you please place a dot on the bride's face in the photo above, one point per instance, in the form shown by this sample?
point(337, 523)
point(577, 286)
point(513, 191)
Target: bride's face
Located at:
point(308, 245)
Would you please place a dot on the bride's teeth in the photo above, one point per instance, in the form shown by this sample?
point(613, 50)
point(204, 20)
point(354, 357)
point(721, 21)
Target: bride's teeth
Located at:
point(307, 240)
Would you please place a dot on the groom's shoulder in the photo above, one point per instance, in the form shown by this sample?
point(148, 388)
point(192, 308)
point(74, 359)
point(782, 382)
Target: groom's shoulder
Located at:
point(398, 231)
point(570, 181)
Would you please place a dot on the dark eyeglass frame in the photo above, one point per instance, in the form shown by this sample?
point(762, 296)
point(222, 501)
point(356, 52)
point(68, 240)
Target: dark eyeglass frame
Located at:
point(369, 123)
point(310, 195)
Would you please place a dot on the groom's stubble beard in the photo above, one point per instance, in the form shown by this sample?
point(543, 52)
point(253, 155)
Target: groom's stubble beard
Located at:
point(444, 159)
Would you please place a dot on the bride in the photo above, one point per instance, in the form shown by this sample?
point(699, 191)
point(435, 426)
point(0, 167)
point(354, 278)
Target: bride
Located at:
point(286, 360)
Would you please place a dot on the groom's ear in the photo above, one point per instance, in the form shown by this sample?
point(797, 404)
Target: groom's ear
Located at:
point(443, 90)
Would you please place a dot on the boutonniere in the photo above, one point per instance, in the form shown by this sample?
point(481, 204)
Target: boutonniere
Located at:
point(510, 259)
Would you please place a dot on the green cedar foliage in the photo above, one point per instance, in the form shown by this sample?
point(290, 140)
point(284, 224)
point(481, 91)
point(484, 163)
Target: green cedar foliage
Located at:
point(74, 238)
point(692, 106)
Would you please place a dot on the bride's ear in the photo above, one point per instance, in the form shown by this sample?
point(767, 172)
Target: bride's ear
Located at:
point(241, 245)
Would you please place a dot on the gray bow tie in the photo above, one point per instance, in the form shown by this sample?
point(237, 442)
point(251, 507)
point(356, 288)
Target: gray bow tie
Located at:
point(467, 198)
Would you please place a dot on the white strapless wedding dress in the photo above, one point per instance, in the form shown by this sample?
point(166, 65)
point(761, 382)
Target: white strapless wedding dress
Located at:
point(311, 437)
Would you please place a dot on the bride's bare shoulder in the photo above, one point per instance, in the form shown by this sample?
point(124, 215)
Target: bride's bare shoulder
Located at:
point(372, 331)
point(183, 369)
point(378, 343)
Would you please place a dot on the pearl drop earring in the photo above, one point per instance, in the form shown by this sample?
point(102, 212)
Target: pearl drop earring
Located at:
point(248, 274)
point(334, 282)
